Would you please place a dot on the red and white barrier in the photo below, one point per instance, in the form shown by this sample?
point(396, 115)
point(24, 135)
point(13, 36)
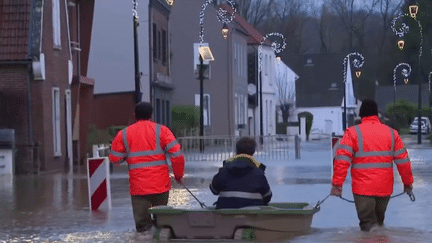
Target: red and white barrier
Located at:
point(98, 176)
point(334, 143)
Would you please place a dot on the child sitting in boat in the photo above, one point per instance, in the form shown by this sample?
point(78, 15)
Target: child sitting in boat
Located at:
point(241, 181)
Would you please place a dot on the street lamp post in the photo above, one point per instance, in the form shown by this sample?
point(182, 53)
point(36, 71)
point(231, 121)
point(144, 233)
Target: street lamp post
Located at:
point(429, 101)
point(223, 17)
point(276, 47)
point(136, 54)
point(358, 63)
point(404, 29)
point(405, 72)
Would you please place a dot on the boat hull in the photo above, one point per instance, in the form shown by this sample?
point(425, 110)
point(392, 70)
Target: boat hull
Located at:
point(276, 219)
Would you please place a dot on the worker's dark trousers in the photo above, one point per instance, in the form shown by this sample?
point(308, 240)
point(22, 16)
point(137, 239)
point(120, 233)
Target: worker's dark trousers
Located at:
point(140, 206)
point(370, 210)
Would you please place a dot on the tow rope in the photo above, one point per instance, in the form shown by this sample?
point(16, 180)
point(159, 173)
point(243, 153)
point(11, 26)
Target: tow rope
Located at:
point(410, 194)
point(201, 203)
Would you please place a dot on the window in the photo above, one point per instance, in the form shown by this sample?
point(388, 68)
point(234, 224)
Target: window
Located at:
point(164, 47)
point(159, 50)
point(235, 57)
point(271, 115)
point(266, 65)
point(163, 112)
point(206, 107)
point(154, 41)
point(168, 112)
point(56, 121)
point(56, 23)
point(158, 106)
point(267, 116)
point(236, 113)
point(242, 110)
point(240, 60)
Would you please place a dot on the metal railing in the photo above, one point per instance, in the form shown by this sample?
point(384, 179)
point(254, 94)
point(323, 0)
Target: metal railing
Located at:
point(219, 148)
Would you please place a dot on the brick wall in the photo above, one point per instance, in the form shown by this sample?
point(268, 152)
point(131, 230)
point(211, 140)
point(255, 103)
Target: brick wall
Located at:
point(113, 110)
point(14, 112)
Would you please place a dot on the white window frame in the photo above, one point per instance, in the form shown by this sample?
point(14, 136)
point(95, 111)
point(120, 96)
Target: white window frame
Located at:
point(56, 24)
point(56, 121)
point(266, 65)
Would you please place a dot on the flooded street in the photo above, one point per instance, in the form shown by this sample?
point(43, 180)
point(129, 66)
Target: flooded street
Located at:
point(55, 208)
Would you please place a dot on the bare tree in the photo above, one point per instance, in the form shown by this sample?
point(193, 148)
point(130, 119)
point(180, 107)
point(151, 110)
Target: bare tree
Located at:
point(286, 94)
point(254, 11)
point(388, 9)
point(353, 20)
point(323, 22)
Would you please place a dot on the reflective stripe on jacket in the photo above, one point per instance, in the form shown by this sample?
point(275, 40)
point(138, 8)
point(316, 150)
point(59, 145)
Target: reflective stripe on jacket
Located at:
point(371, 148)
point(145, 145)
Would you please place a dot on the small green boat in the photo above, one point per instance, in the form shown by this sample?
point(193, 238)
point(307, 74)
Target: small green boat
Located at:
point(274, 222)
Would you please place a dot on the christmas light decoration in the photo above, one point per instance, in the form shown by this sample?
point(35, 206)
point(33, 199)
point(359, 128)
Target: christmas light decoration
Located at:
point(276, 46)
point(405, 71)
point(222, 16)
point(404, 29)
point(357, 62)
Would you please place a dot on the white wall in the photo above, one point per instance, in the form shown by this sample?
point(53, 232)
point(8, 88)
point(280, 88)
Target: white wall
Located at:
point(321, 114)
point(111, 61)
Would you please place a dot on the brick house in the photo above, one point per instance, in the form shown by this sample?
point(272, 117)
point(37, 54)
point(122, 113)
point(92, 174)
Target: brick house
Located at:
point(43, 85)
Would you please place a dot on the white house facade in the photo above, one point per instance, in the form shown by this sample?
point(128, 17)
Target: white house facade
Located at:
point(285, 80)
point(269, 98)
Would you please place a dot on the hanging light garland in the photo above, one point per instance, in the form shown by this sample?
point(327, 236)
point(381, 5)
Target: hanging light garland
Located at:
point(276, 46)
point(357, 62)
point(406, 71)
point(222, 16)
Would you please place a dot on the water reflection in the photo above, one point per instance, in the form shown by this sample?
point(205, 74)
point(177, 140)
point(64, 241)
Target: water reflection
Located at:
point(55, 208)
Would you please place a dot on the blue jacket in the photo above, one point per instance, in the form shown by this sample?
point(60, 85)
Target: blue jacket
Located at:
point(240, 183)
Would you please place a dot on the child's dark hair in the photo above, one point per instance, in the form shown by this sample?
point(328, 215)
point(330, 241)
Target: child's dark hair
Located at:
point(246, 145)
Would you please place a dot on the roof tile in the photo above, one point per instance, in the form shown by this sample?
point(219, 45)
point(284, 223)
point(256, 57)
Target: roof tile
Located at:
point(14, 29)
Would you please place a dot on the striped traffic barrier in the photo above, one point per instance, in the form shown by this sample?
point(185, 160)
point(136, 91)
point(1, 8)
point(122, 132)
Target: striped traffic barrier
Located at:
point(99, 187)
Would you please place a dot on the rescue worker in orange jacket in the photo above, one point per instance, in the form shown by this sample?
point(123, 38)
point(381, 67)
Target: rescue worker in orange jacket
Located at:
point(145, 147)
point(371, 148)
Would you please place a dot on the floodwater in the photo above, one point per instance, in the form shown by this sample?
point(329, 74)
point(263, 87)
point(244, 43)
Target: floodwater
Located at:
point(55, 207)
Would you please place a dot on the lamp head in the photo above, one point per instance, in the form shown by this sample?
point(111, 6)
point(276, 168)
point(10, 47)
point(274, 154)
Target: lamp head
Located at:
point(413, 9)
point(225, 31)
point(358, 73)
point(401, 44)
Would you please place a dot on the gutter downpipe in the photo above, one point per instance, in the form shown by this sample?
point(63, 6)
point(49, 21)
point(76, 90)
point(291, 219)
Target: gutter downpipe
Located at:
point(29, 98)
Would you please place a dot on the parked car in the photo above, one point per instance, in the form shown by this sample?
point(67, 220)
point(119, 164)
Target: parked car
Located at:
point(425, 120)
point(425, 127)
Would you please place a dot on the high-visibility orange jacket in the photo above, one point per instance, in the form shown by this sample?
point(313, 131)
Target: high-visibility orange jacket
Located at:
point(370, 148)
point(145, 145)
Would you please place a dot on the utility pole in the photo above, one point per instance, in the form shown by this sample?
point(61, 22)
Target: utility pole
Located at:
point(201, 78)
point(136, 54)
